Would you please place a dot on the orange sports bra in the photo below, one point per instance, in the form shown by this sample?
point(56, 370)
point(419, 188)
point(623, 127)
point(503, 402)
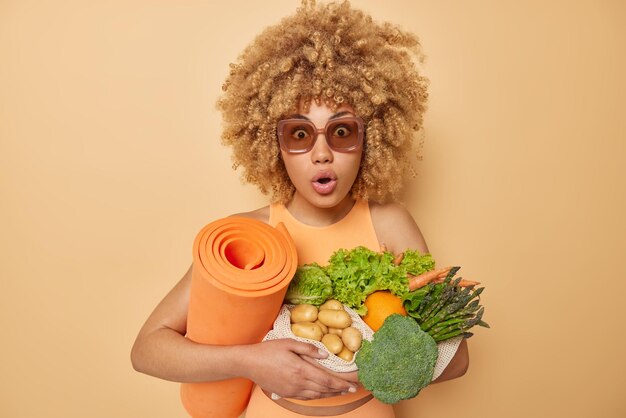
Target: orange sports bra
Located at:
point(316, 244)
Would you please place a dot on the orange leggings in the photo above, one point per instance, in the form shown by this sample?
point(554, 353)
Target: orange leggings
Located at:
point(261, 406)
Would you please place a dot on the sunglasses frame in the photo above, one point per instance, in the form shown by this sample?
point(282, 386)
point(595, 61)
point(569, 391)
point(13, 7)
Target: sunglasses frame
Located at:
point(360, 133)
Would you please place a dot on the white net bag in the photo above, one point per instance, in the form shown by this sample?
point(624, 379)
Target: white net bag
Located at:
point(282, 329)
point(447, 350)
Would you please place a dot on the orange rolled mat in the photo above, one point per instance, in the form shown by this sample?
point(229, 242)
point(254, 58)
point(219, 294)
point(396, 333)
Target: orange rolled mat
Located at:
point(241, 270)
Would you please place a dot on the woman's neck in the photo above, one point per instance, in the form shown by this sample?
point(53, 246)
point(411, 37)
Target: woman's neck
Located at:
point(309, 214)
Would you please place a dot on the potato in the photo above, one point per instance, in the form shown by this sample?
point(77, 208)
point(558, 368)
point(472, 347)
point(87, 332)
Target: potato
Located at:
point(332, 343)
point(332, 304)
point(322, 326)
point(307, 330)
point(335, 331)
point(335, 319)
point(303, 313)
point(352, 338)
point(346, 354)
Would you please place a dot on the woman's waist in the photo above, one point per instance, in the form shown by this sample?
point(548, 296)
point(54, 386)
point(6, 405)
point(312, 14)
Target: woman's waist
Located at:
point(331, 406)
point(360, 393)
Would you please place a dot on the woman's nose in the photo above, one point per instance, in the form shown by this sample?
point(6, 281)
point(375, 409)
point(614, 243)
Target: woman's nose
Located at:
point(321, 152)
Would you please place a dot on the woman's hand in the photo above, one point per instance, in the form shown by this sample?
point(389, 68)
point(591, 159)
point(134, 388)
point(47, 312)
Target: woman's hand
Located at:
point(288, 369)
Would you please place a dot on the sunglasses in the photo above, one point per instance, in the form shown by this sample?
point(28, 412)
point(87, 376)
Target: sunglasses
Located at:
point(343, 134)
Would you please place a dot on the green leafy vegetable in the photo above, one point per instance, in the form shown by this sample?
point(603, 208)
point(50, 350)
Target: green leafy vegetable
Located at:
point(398, 362)
point(309, 285)
point(359, 272)
point(416, 263)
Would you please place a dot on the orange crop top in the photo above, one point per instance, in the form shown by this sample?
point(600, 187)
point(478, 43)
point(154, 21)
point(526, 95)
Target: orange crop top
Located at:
point(317, 244)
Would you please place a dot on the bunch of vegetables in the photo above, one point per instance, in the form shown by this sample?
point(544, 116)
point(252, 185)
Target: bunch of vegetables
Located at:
point(352, 275)
point(446, 308)
point(400, 360)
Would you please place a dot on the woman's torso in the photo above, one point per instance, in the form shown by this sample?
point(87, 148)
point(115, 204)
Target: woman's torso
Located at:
point(317, 244)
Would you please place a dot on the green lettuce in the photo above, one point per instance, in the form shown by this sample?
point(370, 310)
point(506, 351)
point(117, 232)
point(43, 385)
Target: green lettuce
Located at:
point(351, 275)
point(310, 285)
point(359, 272)
point(416, 263)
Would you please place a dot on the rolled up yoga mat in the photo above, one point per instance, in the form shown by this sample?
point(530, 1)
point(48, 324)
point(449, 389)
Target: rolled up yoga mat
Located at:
point(241, 270)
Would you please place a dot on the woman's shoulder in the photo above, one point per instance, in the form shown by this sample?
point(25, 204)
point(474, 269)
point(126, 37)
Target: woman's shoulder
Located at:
point(260, 214)
point(388, 209)
point(389, 217)
point(396, 228)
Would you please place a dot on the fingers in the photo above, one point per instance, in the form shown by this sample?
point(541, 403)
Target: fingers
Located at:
point(352, 377)
point(314, 390)
point(324, 382)
point(310, 394)
point(311, 389)
point(305, 349)
point(297, 374)
point(348, 376)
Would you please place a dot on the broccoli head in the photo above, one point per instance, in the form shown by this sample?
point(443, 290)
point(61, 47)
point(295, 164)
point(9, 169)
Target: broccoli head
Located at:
point(398, 362)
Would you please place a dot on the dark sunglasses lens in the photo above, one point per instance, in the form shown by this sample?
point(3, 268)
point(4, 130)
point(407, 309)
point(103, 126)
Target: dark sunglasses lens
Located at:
point(343, 134)
point(297, 135)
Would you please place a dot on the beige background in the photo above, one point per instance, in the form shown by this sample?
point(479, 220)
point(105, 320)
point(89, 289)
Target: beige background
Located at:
point(110, 163)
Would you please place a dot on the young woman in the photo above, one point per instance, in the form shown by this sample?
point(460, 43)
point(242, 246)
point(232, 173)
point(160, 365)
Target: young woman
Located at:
point(320, 111)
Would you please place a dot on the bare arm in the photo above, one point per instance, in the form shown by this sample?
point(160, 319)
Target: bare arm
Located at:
point(161, 350)
point(396, 228)
point(457, 366)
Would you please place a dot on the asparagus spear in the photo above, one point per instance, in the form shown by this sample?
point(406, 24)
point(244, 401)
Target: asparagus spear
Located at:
point(445, 310)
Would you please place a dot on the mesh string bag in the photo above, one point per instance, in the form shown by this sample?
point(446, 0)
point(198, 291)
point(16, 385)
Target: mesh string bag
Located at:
point(282, 329)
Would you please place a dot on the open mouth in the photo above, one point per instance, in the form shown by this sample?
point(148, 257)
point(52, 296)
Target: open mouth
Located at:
point(325, 183)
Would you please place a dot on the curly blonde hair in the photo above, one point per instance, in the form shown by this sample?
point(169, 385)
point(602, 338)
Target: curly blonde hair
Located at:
point(335, 54)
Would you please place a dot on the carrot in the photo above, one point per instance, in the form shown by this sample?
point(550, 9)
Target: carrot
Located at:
point(398, 259)
point(415, 282)
point(462, 282)
point(443, 274)
point(383, 247)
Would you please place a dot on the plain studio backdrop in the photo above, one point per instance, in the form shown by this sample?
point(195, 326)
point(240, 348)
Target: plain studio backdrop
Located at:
point(110, 163)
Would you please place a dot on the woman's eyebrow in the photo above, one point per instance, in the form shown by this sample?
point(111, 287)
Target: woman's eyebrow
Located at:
point(298, 116)
point(340, 114)
point(335, 116)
